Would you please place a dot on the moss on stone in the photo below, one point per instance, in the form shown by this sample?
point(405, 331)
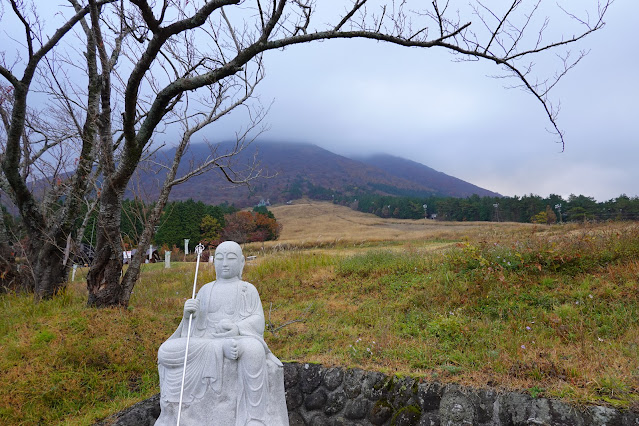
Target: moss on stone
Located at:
point(407, 416)
point(382, 410)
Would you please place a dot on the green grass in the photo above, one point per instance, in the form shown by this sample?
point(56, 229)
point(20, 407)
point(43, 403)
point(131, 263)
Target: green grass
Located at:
point(552, 311)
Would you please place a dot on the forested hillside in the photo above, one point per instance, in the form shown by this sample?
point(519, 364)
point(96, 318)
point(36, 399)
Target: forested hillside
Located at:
point(529, 208)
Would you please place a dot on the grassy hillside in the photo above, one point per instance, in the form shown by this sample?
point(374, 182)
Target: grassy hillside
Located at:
point(322, 223)
point(550, 310)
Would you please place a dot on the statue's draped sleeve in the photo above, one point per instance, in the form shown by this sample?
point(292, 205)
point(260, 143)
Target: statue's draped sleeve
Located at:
point(198, 324)
point(251, 321)
point(204, 297)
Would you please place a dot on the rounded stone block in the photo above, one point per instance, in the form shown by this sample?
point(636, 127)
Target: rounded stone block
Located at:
point(310, 377)
point(294, 399)
point(341, 421)
point(429, 396)
point(380, 413)
point(407, 416)
point(294, 419)
point(333, 378)
point(485, 406)
point(603, 416)
point(320, 420)
point(456, 409)
point(403, 392)
point(374, 385)
point(429, 419)
point(316, 400)
point(353, 382)
point(356, 409)
point(335, 403)
point(291, 375)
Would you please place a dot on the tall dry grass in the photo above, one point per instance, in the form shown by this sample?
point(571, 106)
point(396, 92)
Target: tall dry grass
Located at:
point(314, 224)
point(551, 310)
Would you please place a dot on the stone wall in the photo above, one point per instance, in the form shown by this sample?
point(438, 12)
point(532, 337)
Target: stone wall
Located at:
point(319, 396)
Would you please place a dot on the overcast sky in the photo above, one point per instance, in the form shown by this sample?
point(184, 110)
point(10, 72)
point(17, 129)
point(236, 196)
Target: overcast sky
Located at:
point(365, 97)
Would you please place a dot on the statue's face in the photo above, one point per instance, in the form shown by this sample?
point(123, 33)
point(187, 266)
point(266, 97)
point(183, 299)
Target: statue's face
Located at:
point(229, 260)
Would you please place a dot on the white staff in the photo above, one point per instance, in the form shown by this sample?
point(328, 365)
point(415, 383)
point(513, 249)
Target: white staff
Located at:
point(198, 251)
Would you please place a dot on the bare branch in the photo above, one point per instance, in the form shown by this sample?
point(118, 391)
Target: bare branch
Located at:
point(440, 19)
point(501, 23)
point(231, 30)
point(135, 141)
point(307, 11)
point(358, 4)
point(9, 76)
point(27, 26)
point(147, 14)
point(590, 29)
point(451, 35)
point(270, 326)
point(261, 13)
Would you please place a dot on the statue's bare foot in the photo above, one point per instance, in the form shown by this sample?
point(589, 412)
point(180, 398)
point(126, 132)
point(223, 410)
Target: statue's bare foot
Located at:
point(230, 349)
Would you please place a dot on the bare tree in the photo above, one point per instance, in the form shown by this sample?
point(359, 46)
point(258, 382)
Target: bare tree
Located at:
point(150, 57)
point(36, 147)
point(193, 123)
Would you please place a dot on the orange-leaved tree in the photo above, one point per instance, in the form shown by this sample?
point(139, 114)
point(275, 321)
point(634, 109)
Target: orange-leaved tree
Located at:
point(244, 227)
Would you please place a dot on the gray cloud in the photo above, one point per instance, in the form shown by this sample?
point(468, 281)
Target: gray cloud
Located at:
point(355, 96)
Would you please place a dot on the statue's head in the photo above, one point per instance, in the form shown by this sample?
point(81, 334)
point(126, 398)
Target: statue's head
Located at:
point(229, 261)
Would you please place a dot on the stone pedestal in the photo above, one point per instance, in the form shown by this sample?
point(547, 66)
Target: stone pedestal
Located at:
point(220, 408)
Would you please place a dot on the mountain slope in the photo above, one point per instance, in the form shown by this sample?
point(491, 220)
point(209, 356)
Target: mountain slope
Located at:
point(297, 170)
point(423, 175)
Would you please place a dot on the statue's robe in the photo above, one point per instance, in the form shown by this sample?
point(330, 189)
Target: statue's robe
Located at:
point(217, 390)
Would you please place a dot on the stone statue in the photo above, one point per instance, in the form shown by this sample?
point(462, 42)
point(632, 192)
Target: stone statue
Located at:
point(232, 378)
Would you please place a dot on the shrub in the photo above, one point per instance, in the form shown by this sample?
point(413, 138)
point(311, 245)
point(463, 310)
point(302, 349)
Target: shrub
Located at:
point(246, 227)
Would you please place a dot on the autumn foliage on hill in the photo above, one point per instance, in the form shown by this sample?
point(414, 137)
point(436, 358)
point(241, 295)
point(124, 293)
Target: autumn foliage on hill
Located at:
point(245, 227)
point(201, 223)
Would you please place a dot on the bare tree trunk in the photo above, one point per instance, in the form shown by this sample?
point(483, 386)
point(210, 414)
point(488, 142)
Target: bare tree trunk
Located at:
point(103, 279)
point(9, 276)
point(133, 271)
point(49, 275)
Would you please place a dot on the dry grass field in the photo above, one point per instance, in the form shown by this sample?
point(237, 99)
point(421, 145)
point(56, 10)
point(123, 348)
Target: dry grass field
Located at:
point(549, 310)
point(522, 306)
point(315, 224)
